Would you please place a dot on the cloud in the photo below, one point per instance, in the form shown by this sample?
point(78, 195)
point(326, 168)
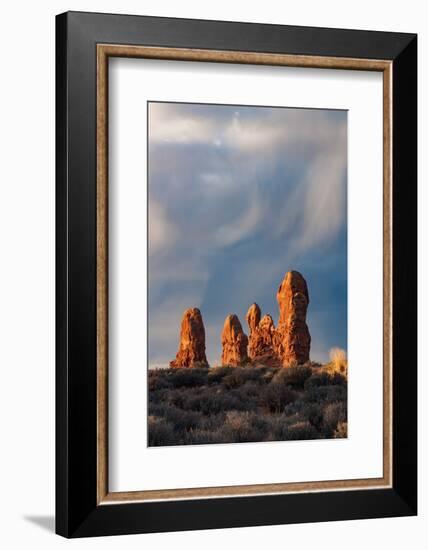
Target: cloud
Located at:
point(324, 209)
point(241, 228)
point(168, 123)
point(253, 135)
point(162, 232)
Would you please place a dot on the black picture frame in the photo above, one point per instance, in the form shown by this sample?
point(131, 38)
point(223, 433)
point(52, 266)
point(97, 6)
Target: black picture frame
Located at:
point(77, 511)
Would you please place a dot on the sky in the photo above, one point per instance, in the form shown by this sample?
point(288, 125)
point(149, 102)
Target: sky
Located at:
point(238, 196)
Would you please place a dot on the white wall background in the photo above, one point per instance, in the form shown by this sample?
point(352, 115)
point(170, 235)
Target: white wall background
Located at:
point(27, 271)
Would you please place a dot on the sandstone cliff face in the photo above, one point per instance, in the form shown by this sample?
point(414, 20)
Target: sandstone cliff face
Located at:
point(294, 341)
point(191, 349)
point(234, 342)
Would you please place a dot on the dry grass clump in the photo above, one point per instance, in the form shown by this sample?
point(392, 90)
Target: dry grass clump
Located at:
point(341, 430)
point(338, 361)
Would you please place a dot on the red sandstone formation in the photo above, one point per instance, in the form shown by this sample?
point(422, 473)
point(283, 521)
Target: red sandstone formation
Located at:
point(294, 340)
point(191, 349)
point(289, 342)
point(261, 339)
point(234, 342)
point(253, 317)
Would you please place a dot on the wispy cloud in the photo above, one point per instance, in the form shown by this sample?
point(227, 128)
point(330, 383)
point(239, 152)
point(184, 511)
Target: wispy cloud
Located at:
point(324, 210)
point(162, 232)
point(167, 123)
point(243, 227)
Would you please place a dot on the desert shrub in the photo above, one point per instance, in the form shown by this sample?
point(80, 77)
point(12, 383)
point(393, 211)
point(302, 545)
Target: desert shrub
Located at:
point(334, 414)
point(157, 409)
point(237, 421)
point(301, 431)
point(202, 437)
point(314, 415)
point(180, 419)
point(157, 380)
point(216, 374)
point(250, 391)
point(211, 422)
point(338, 379)
point(327, 394)
point(313, 365)
point(336, 393)
point(260, 422)
point(277, 426)
point(178, 397)
point(275, 397)
point(295, 407)
point(238, 376)
point(160, 432)
point(267, 374)
point(292, 376)
point(188, 378)
point(317, 380)
point(325, 378)
point(238, 427)
point(208, 402)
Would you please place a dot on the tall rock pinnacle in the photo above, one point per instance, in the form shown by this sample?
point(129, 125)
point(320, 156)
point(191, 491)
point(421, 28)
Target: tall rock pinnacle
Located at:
point(191, 349)
point(253, 317)
point(293, 338)
point(234, 342)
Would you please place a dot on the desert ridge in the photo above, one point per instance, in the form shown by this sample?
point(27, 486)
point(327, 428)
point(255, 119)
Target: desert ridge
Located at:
point(286, 345)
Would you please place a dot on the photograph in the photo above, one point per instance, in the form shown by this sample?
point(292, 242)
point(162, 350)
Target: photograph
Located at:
point(236, 269)
point(247, 273)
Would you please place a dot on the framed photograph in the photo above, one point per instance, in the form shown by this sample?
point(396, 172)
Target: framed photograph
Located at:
point(236, 274)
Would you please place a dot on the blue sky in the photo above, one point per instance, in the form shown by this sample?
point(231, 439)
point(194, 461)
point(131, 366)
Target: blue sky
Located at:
point(238, 196)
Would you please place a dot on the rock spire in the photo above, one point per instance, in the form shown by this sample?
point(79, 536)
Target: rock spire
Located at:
point(294, 339)
point(191, 349)
point(234, 342)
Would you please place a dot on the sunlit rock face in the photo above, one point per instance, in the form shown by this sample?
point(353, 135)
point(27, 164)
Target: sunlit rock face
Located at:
point(234, 342)
point(253, 317)
point(191, 349)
